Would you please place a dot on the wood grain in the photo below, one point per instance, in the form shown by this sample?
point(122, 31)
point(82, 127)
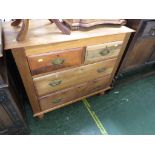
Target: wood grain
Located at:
point(22, 64)
point(73, 44)
point(152, 57)
point(1, 44)
point(24, 29)
point(46, 33)
point(71, 77)
point(104, 51)
point(45, 42)
point(67, 103)
point(51, 61)
point(140, 53)
point(125, 41)
point(140, 49)
point(67, 95)
point(5, 120)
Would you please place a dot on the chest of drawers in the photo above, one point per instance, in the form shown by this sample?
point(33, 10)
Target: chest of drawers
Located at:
point(59, 69)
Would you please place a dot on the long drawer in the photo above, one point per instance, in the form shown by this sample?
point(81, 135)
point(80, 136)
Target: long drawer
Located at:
point(71, 77)
point(71, 94)
point(54, 60)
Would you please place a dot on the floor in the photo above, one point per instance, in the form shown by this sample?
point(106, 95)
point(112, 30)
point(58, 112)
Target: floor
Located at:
point(127, 109)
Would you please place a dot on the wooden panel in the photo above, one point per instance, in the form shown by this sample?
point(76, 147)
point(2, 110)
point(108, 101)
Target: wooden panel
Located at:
point(102, 51)
point(73, 44)
point(64, 96)
point(140, 47)
point(73, 101)
point(149, 29)
point(1, 51)
point(5, 119)
point(140, 53)
point(54, 60)
point(42, 32)
point(125, 41)
point(22, 64)
point(67, 78)
point(152, 58)
point(3, 73)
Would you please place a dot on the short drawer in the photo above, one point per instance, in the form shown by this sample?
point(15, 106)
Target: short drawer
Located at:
point(103, 51)
point(71, 77)
point(54, 60)
point(71, 94)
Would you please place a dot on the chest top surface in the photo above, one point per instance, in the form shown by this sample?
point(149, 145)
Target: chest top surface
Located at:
point(42, 32)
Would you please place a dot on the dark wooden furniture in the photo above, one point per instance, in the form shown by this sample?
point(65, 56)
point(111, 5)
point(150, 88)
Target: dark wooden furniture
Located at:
point(12, 116)
point(140, 50)
point(1, 39)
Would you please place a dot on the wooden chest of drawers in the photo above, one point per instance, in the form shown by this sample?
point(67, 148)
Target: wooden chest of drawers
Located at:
point(59, 69)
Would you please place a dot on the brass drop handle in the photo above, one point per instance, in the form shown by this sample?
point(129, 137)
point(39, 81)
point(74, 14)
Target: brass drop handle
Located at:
point(101, 70)
point(57, 100)
point(58, 61)
point(104, 51)
point(55, 83)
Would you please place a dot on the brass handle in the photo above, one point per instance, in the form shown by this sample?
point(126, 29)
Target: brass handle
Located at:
point(101, 70)
point(57, 100)
point(58, 61)
point(105, 51)
point(55, 83)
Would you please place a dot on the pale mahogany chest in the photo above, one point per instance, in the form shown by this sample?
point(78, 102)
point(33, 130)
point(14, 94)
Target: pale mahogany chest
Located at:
point(59, 69)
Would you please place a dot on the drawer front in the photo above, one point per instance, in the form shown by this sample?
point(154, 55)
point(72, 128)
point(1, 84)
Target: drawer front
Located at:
point(71, 94)
point(51, 61)
point(103, 51)
point(148, 29)
point(71, 77)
